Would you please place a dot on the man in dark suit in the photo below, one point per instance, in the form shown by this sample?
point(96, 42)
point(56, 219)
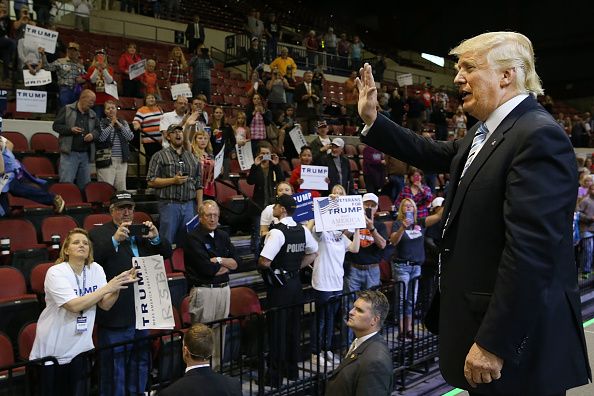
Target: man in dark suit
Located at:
point(339, 168)
point(114, 247)
point(366, 370)
point(509, 319)
point(308, 97)
point(195, 34)
point(200, 380)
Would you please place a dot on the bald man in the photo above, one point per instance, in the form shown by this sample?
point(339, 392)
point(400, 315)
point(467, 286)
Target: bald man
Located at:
point(76, 125)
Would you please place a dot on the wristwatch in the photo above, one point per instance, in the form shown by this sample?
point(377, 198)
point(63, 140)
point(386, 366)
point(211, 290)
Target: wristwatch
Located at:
point(220, 260)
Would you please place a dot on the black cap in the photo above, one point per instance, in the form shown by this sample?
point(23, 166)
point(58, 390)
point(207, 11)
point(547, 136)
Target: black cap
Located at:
point(121, 198)
point(174, 127)
point(286, 201)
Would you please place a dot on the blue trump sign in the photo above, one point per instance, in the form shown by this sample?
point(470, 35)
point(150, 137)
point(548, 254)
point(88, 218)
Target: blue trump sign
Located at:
point(304, 210)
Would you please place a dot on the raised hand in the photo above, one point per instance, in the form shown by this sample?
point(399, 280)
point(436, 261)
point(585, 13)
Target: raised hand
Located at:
point(367, 95)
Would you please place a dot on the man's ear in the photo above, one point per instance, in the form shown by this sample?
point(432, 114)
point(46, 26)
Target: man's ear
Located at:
point(508, 76)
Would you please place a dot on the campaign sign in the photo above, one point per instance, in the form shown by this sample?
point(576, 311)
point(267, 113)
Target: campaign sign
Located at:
point(404, 79)
point(136, 69)
point(297, 138)
point(314, 177)
point(219, 162)
point(112, 90)
point(304, 210)
point(340, 213)
point(31, 101)
point(152, 299)
point(181, 89)
point(244, 155)
point(36, 37)
point(42, 77)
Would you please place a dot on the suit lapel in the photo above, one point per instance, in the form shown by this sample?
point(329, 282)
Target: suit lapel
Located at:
point(353, 356)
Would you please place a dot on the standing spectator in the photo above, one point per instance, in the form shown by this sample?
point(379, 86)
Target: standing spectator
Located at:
point(344, 51)
point(290, 90)
point(202, 149)
point(396, 105)
point(7, 44)
point(276, 86)
point(305, 158)
point(288, 248)
point(148, 121)
point(258, 118)
point(114, 133)
point(74, 287)
point(82, 14)
point(221, 132)
point(312, 46)
point(330, 44)
point(211, 256)
point(131, 87)
point(374, 166)
point(427, 102)
point(439, 119)
point(417, 191)
point(195, 34)
point(339, 168)
point(414, 114)
point(255, 57)
point(267, 219)
point(175, 175)
point(272, 31)
point(283, 61)
point(76, 124)
point(70, 74)
point(356, 53)
point(99, 75)
point(254, 26)
point(308, 96)
point(201, 65)
point(177, 116)
point(30, 57)
point(351, 97)
point(379, 67)
point(241, 132)
point(150, 80)
point(396, 170)
point(177, 69)
point(321, 144)
point(124, 369)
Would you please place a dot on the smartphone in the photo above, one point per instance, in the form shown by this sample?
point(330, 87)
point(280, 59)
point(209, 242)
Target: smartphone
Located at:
point(266, 157)
point(368, 213)
point(410, 217)
point(138, 230)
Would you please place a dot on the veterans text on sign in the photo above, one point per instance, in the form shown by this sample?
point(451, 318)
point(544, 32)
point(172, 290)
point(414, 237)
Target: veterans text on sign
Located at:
point(340, 213)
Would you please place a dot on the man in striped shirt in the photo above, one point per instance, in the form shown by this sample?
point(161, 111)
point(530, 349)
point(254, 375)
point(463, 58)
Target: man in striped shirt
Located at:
point(175, 175)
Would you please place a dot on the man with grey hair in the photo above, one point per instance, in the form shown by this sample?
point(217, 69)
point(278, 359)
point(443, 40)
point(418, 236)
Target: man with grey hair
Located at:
point(210, 255)
point(508, 312)
point(367, 367)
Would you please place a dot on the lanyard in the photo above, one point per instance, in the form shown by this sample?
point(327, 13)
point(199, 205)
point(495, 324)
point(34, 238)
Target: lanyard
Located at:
point(83, 290)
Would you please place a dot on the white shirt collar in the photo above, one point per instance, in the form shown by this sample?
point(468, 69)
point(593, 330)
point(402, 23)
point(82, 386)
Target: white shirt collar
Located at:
point(288, 221)
point(197, 366)
point(364, 338)
point(496, 117)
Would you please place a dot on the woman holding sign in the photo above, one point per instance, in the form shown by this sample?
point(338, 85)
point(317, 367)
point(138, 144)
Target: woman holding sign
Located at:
point(305, 158)
point(408, 235)
point(73, 289)
point(202, 149)
point(327, 282)
point(100, 77)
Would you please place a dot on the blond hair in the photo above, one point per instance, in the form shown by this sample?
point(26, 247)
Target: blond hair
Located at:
point(401, 216)
point(63, 257)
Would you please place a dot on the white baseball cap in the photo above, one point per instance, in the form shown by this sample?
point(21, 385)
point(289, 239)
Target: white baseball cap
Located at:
point(437, 202)
point(371, 197)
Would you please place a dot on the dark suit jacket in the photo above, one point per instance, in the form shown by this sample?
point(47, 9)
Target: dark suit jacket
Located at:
point(256, 177)
point(345, 169)
point(191, 31)
point(202, 381)
point(114, 263)
point(302, 109)
point(508, 280)
point(367, 371)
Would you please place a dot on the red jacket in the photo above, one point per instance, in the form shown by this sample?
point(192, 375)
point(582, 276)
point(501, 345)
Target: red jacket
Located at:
point(125, 61)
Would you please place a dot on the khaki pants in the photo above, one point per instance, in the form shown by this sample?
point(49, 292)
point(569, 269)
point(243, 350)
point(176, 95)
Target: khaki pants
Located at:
point(114, 174)
point(206, 305)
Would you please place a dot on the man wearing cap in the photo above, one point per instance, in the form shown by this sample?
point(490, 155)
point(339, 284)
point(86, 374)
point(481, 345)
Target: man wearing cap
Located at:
point(69, 71)
point(76, 124)
point(363, 267)
point(124, 370)
point(175, 174)
point(287, 248)
point(308, 97)
point(321, 144)
point(339, 168)
point(210, 256)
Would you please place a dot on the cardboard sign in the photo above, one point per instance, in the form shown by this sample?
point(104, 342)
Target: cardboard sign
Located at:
point(31, 101)
point(152, 299)
point(42, 77)
point(244, 155)
point(136, 69)
point(314, 177)
point(343, 212)
point(112, 90)
point(36, 37)
point(297, 138)
point(181, 89)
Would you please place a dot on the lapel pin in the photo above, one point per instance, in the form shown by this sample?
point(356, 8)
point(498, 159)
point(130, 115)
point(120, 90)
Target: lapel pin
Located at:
point(493, 142)
point(352, 355)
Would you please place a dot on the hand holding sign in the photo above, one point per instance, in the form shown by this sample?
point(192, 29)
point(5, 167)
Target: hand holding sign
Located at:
point(120, 282)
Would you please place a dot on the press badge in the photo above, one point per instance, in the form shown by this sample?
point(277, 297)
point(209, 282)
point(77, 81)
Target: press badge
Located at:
point(81, 324)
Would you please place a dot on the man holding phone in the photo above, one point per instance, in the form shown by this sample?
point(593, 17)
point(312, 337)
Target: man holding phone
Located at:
point(115, 244)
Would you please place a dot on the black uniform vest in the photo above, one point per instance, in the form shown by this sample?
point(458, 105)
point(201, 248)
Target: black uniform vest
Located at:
point(291, 253)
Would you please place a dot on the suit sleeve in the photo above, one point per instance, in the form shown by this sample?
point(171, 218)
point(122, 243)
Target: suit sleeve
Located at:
point(405, 145)
point(539, 201)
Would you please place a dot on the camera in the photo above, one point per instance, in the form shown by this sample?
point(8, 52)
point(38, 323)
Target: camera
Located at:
point(266, 157)
point(138, 230)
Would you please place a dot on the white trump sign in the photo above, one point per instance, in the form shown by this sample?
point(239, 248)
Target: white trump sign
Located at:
point(136, 69)
point(314, 177)
point(297, 138)
point(31, 101)
point(42, 77)
point(181, 89)
point(36, 37)
point(218, 169)
point(340, 213)
point(244, 155)
point(152, 299)
point(404, 79)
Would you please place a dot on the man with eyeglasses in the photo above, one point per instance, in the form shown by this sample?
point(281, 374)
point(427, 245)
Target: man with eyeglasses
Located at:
point(124, 369)
point(69, 71)
point(175, 174)
point(210, 256)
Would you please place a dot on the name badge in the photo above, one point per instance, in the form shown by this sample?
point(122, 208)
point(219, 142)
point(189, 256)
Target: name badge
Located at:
point(81, 324)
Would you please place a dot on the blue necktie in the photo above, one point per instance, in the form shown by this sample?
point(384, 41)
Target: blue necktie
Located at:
point(477, 143)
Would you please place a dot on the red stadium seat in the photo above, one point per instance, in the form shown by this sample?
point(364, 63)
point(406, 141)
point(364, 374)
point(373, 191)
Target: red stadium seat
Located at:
point(70, 193)
point(56, 225)
point(21, 232)
point(95, 219)
point(39, 166)
point(20, 142)
point(98, 194)
point(45, 142)
point(244, 301)
point(141, 217)
point(38, 277)
point(25, 340)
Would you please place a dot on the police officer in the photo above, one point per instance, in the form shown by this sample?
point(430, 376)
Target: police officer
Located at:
point(287, 248)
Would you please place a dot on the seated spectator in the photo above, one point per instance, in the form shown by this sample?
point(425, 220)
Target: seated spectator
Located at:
point(114, 134)
point(177, 69)
point(21, 183)
point(305, 158)
point(417, 191)
point(131, 88)
point(150, 80)
point(99, 75)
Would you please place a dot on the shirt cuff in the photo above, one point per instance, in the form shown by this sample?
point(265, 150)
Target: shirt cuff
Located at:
point(116, 244)
point(156, 240)
point(366, 129)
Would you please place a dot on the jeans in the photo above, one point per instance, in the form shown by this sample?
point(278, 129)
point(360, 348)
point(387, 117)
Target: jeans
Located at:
point(75, 166)
point(327, 305)
point(125, 367)
point(173, 217)
point(27, 190)
point(397, 184)
point(68, 95)
point(407, 274)
point(586, 254)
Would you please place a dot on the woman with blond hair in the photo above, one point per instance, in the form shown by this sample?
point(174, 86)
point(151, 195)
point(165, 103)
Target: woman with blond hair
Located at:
point(177, 70)
point(202, 149)
point(74, 287)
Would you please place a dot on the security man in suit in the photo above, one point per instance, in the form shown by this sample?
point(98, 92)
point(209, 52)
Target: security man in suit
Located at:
point(366, 370)
point(287, 248)
point(114, 246)
point(200, 379)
